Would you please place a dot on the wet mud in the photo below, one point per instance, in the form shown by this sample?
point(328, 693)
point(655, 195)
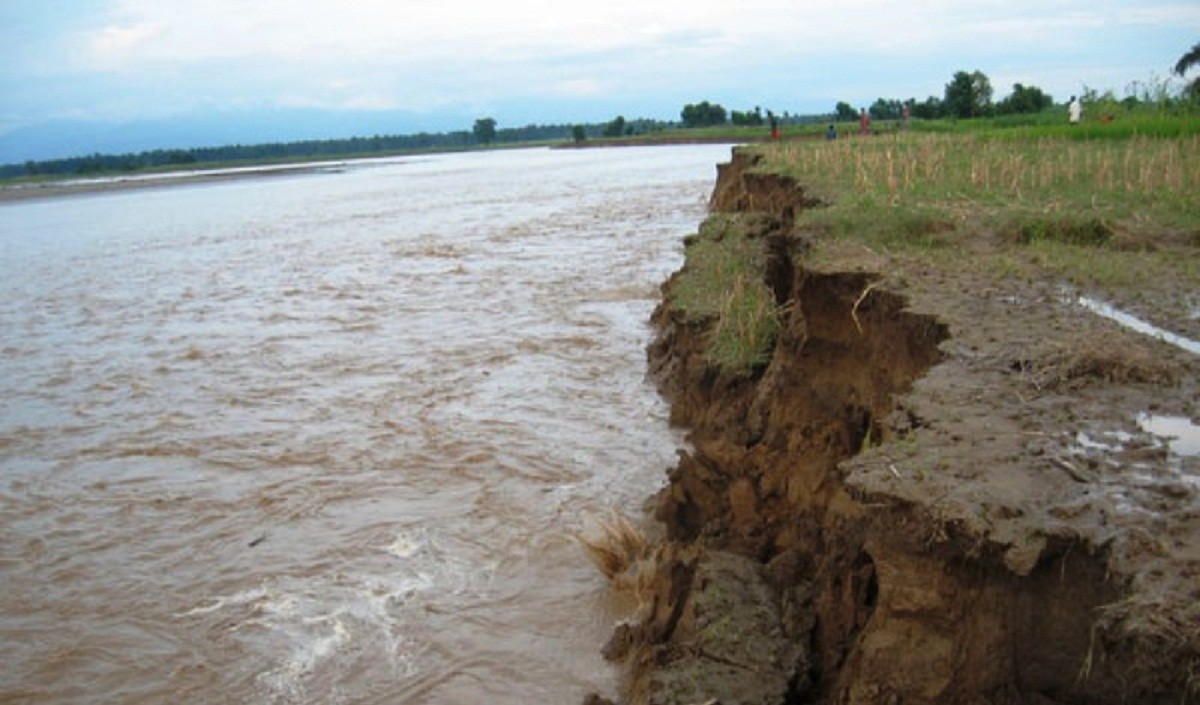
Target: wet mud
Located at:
point(941, 490)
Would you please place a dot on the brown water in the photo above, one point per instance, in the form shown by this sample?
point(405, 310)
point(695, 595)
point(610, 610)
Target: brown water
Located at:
point(324, 437)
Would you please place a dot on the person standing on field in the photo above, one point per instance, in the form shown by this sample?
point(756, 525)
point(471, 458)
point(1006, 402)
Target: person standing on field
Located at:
point(864, 122)
point(1074, 110)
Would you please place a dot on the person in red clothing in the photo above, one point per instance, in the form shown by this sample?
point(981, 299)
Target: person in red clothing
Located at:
point(864, 122)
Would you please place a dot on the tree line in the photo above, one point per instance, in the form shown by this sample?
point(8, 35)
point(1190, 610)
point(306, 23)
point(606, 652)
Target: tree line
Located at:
point(966, 95)
point(484, 132)
point(970, 95)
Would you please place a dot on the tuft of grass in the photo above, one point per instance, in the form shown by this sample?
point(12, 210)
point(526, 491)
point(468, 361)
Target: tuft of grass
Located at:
point(1066, 229)
point(747, 327)
point(722, 281)
point(897, 227)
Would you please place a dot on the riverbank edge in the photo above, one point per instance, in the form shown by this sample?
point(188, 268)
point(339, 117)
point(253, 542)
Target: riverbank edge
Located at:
point(807, 562)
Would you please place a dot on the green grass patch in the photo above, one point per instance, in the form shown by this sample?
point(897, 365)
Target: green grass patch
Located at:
point(747, 327)
point(1065, 229)
point(722, 281)
point(894, 228)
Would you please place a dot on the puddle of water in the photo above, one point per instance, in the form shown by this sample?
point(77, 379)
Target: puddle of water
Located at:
point(1182, 436)
point(1134, 323)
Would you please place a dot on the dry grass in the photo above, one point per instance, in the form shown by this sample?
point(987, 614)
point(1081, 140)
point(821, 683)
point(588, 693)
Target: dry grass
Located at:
point(1100, 360)
point(722, 281)
point(623, 555)
point(1116, 217)
point(953, 167)
point(911, 189)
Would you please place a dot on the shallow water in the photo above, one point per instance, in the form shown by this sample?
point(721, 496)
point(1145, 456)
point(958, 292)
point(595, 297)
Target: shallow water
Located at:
point(1182, 436)
point(1136, 324)
point(324, 437)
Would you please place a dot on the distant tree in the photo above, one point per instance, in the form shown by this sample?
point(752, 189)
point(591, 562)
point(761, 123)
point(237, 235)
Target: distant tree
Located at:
point(968, 95)
point(1190, 59)
point(615, 127)
point(844, 112)
point(703, 114)
point(931, 108)
point(749, 117)
point(485, 130)
point(180, 156)
point(1024, 99)
point(885, 109)
point(578, 134)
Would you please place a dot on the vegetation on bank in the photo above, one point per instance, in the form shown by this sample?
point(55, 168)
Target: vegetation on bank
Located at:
point(723, 283)
point(1031, 202)
point(905, 190)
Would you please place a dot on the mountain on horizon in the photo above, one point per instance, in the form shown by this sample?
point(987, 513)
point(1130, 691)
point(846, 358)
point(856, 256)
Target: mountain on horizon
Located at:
point(63, 139)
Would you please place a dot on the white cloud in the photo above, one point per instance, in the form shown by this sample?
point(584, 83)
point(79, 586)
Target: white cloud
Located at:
point(116, 39)
point(580, 87)
point(152, 55)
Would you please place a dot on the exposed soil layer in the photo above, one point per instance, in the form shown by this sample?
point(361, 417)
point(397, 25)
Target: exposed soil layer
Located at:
point(934, 492)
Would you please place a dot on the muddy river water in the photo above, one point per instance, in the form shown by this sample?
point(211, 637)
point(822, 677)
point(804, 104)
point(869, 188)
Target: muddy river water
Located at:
point(324, 437)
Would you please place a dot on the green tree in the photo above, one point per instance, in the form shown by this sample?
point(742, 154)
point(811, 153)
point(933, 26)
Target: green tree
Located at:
point(615, 127)
point(1024, 99)
point(885, 109)
point(752, 118)
point(968, 95)
point(844, 112)
point(484, 130)
point(702, 114)
point(931, 108)
point(1190, 59)
point(578, 134)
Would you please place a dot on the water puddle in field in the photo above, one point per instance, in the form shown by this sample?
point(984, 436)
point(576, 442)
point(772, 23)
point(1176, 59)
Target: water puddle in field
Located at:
point(1181, 435)
point(1134, 323)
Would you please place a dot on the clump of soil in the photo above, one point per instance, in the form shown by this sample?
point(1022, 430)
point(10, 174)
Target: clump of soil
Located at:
point(939, 495)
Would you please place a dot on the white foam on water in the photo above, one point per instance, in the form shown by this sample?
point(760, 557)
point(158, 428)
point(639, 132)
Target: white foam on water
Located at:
point(213, 604)
point(405, 545)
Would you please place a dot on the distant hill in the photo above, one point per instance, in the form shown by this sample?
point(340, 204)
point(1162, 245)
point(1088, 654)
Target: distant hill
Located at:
point(72, 138)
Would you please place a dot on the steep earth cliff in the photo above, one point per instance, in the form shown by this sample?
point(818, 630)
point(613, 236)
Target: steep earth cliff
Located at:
point(935, 491)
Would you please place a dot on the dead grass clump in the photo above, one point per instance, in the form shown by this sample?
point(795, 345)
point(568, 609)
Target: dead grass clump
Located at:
point(622, 553)
point(1156, 641)
point(1100, 362)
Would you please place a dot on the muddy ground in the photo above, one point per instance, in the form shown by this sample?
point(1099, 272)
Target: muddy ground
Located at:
point(943, 488)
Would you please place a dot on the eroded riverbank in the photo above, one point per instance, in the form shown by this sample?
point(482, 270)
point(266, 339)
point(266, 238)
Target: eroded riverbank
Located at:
point(936, 490)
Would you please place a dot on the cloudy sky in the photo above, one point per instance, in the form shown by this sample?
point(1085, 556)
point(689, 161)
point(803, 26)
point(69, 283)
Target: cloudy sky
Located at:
point(436, 64)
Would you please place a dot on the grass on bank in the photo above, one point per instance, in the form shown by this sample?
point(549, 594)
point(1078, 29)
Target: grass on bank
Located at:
point(929, 191)
point(1118, 216)
point(723, 282)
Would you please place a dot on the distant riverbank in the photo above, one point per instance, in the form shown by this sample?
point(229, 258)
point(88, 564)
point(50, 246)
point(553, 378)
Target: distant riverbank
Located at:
point(77, 186)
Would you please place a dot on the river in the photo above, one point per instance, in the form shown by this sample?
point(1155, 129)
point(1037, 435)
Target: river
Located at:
point(326, 436)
